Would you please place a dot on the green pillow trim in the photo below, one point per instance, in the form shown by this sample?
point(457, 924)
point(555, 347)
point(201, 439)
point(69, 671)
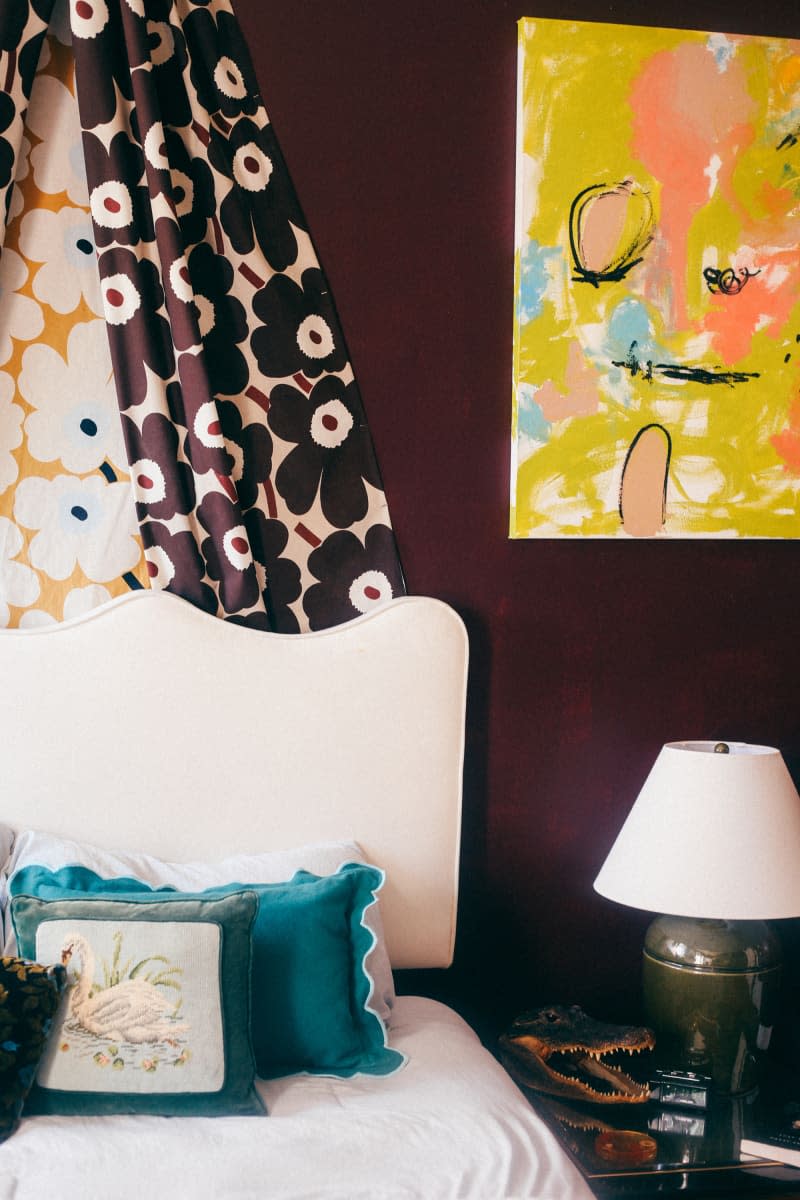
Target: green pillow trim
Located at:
point(233, 915)
point(310, 983)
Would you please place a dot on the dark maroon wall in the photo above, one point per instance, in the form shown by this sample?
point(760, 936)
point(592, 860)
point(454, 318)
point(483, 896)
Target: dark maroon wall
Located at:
point(397, 121)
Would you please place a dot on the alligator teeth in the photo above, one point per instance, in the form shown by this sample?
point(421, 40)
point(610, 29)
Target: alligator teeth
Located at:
point(632, 1086)
point(574, 1070)
point(598, 1055)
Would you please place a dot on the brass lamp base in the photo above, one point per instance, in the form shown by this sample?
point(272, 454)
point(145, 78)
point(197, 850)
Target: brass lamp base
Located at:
point(711, 996)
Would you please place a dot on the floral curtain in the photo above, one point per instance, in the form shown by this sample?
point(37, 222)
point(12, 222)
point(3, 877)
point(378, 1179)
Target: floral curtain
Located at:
point(177, 405)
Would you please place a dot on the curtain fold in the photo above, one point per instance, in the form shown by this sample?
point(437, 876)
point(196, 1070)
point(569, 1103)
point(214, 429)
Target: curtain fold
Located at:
point(256, 487)
point(22, 31)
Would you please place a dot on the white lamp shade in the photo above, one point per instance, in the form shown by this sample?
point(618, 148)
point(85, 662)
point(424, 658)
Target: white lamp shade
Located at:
point(710, 835)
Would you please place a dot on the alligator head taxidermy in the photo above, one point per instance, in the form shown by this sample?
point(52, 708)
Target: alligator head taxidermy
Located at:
point(562, 1051)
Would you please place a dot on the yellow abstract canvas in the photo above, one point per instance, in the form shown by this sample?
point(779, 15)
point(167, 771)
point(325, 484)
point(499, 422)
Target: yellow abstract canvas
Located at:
point(656, 377)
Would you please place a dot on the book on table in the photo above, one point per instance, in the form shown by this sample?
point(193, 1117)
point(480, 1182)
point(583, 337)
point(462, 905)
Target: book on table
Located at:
point(778, 1147)
point(775, 1131)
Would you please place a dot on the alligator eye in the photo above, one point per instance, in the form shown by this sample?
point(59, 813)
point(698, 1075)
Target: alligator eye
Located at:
point(551, 1016)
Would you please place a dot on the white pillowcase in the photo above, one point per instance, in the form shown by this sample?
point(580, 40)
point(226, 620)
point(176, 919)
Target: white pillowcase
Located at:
point(33, 848)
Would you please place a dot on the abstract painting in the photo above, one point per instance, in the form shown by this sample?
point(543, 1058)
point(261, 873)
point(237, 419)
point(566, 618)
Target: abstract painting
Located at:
point(657, 284)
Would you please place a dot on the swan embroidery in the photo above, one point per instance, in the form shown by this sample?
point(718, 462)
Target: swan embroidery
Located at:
point(130, 1010)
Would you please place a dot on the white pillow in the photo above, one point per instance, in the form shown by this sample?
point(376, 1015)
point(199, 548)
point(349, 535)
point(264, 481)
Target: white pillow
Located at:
point(6, 844)
point(33, 848)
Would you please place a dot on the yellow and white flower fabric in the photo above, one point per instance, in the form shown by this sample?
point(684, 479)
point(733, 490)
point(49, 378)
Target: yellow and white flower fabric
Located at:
point(69, 538)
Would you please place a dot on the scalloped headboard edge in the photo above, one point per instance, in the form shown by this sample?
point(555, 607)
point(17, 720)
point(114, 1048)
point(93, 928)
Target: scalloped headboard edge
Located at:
point(148, 725)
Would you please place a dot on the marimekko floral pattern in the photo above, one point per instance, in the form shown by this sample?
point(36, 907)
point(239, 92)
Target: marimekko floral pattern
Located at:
point(22, 27)
point(189, 186)
point(85, 522)
point(60, 248)
point(299, 329)
point(228, 554)
point(221, 320)
point(21, 320)
point(57, 159)
point(353, 576)
point(138, 331)
point(19, 585)
point(261, 206)
point(101, 60)
point(168, 211)
point(219, 442)
point(163, 486)
point(224, 81)
point(83, 600)
point(73, 401)
point(333, 453)
point(165, 49)
point(279, 577)
point(7, 113)
point(59, 415)
point(121, 213)
point(12, 25)
point(174, 561)
point(10, 431)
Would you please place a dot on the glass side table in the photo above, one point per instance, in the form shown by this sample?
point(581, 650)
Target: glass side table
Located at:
point(639, 1150)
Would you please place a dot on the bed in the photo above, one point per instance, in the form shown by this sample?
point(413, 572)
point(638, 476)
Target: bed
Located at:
point(170, 776)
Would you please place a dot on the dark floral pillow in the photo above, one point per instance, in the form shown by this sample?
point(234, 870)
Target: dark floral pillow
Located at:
point(29, 995)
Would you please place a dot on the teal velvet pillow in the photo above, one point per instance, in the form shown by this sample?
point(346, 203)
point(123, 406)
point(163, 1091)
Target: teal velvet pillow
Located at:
point(311, 988)
point(310, 1004)
point(155, 1017)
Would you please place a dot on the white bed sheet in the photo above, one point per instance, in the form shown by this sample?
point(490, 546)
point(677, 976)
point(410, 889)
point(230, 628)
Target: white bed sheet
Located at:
point(450, 1125)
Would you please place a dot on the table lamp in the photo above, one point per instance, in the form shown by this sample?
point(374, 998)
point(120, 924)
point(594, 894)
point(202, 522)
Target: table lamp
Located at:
point(713, 844)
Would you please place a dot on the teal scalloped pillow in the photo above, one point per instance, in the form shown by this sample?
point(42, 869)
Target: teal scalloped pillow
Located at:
point(156, 1016)
point(311, 990)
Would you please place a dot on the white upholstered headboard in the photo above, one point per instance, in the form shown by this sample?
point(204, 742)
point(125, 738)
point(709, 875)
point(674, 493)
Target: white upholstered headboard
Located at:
point(147, 725)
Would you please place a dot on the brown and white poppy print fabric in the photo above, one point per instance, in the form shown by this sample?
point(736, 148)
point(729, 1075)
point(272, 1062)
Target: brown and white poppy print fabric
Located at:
point(177, 405)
